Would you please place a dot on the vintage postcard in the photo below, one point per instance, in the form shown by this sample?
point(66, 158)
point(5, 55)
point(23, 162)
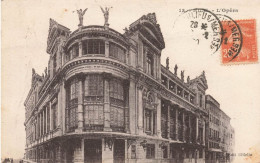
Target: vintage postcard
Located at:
point(153, 81)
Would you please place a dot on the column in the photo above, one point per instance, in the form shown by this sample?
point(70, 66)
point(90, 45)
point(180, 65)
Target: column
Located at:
point(204, 130)
point(51, 118)
point(80, 104)
point(107, 154)
point(63, 102)
point(106, 102)
point(144, 58)
point(37, 127)
point(183, 125)
point(190, 127)
point(197, 129)
point(40, 116)
point(140, 55)
point(81, 151)
point(107, 48)
point(126, 150)
point(132, 105)
point(158, 119)
point(159, 67)
point(168, 121)
point(140, 109)
point(43, 121)
point(176, 123)
point(80, 49)
point(46, 120)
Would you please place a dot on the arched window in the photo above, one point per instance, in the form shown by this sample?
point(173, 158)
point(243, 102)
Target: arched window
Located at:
point(116, 104)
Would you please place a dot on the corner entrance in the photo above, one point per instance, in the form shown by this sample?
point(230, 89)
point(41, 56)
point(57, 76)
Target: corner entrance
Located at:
point(93, 151)
point(119, 151)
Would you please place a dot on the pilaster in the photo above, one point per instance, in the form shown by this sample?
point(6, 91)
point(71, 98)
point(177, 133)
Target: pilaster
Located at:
point(126, 94)
point(107, 77)
point(80, 104)
point(51, 117)
point(183, 125)
point(140, 109)
point(107, 48)
point(158, 118)
point(168, 121)
point(176, 123)
point(80, 49)
point(132, 106)
point(197, 129)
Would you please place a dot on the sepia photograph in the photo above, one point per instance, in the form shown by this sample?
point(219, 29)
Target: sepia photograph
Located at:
point(153, 81)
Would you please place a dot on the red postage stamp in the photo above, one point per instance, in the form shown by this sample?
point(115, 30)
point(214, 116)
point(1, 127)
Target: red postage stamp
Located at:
point(239, 44)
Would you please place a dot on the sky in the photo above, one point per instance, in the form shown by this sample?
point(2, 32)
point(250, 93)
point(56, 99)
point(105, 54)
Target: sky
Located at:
point(25, 26)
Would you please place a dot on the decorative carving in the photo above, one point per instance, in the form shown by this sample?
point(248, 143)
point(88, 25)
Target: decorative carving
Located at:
point(130, 142)
point(162, 144)
point(152, 18)
point(140, 86)
point(109, 143)
point(144, 144)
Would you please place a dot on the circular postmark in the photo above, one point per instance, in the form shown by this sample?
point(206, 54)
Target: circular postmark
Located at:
point(232, 38)
point(203, 27)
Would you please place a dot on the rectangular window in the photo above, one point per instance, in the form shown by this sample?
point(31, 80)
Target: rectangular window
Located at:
point(164, 81)
point(149, 64)
point(94, 85)
point(201, 101)
point(148, 120)
point(186, 95)
point(117, 52)
point(150, 151)
point(93, 115)
point(74, 89)
point(192, 99)
point(164, 119)
point(179, 91)
point(93, 46)
point(172, 86)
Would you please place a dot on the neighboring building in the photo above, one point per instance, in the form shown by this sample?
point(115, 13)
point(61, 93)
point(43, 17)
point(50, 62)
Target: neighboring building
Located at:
point(105, 97)
point(220, 133)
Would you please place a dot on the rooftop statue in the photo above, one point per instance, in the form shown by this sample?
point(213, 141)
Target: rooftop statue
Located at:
point(81, 14)
point(182, 75)
point(106, 14)
point(175, 69)
point(167, 63)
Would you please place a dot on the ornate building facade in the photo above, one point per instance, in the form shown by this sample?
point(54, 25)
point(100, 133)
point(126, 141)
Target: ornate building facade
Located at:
point(105, 97)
